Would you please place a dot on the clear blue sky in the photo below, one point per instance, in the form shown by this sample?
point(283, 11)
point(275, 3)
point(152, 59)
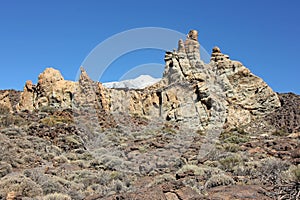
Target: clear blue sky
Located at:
point(263, 34)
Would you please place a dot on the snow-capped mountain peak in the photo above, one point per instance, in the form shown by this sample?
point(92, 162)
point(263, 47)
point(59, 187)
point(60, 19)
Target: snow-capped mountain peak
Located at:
point(138, 83)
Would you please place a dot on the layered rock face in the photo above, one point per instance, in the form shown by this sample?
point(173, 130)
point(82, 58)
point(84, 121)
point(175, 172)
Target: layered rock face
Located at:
point(221, 93)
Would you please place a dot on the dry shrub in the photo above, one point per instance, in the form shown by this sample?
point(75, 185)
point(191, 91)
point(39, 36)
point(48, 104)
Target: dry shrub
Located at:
point(4, 110)
point(218, 180)
point(230, 162)
point(57, 196)
point(271, 169)
point(21, 185)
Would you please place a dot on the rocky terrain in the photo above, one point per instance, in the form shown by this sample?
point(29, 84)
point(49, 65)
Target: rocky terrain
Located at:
point(205, 131)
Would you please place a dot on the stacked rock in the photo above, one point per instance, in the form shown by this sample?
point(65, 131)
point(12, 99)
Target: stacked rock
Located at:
point(192, 47)
point(217, 55)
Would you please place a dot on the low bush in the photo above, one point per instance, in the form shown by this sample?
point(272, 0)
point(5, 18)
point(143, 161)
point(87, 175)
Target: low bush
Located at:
point(231, 147)
point(21, 185)
point(296, 173)
point(57, 196)
point(234, 137)
point(230, 162)
point(280, 132)
point(4, 110)
point(194, 168)
point(271, 170)
point(218, 180)
point(11, 119)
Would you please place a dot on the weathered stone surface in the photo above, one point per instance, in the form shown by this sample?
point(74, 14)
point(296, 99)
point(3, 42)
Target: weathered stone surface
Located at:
point(223, 91)
point(52, 90)
point(27, 97)
point(9, 99)
point(193, 35)
point(287, 117)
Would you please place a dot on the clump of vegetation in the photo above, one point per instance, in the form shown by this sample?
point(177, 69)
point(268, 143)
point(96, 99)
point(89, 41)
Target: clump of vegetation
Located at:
point(296, 173)
point(57, 196)
point(280, 132)
point(163, 178)
point(4, 110)
point(169, 128)
point(271, 169)
point(47, 109)
point(53, 120)
point(218, 180)
point(200, 132)
point(21, 185)
point(231, 147)
point(194, 168)
point(234, 137)
point(11, 119)
point(230, 162)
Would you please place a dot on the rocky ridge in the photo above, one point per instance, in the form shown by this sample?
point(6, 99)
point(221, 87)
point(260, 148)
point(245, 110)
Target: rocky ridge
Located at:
point(190, 90)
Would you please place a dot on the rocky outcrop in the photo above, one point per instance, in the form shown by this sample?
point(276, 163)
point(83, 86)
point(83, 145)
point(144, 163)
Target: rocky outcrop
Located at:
point(221, 93)
point(9, 99)
point(51, 90)
point(287, 117)
point(27, 97)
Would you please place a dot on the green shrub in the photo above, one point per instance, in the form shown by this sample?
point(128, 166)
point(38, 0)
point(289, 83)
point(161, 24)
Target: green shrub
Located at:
point(230, 162)
point(53, 120)
point(200, 132)
point(234, 137)
point(231, 147)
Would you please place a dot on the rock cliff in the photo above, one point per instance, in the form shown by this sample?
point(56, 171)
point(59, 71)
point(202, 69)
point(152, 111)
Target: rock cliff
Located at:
point(224, 92)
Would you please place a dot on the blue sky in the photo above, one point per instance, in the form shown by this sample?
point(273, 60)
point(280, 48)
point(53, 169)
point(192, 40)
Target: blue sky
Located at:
point(262, 34)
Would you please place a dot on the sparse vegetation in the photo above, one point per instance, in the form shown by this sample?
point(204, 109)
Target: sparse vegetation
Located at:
point(280, 133)
point(271, 169)
point(234, 137)
point(57, 196)
point(54, 159)
point(4, 110)
point(230, 162)
point(218, 180)
point(193, 168)
point(296, 173)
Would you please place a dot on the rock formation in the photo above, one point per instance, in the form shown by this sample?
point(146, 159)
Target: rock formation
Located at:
point(204, 131)
point(190, 90)
point(9, 99)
